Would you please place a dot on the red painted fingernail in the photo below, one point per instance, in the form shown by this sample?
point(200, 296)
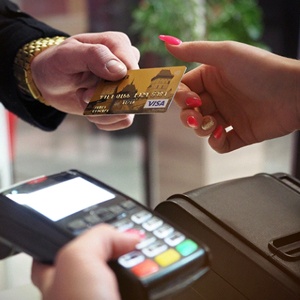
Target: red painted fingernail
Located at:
point(192, 122)
point(171, 40)
point(218, 132)
point(193, 102)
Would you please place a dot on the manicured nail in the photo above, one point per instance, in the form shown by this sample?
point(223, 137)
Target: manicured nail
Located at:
point(193, 102)
point(115, 66)
point(207, 123)
point(171, 40)
point(192, 122)
point(218, 132)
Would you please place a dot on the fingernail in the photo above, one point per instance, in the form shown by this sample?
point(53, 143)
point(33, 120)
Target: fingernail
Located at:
point(171, 40)
point(115, 66)
point(207, 123)
point(218, 132)
point(192, 122)
point(193, 102)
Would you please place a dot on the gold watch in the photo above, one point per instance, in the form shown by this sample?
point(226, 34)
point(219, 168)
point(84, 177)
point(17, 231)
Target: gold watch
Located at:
point(24, 57)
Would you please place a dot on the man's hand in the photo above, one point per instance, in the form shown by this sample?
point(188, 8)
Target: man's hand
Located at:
point(67, 74)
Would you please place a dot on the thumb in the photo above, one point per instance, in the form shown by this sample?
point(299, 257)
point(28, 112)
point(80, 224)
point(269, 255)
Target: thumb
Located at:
point(101, 61)
point(96, 58)
point(104, 241)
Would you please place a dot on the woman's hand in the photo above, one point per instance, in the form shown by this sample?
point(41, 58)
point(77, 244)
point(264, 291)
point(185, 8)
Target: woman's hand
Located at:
point(251, 91)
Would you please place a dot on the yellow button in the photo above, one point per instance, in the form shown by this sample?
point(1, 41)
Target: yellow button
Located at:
point(167, 258)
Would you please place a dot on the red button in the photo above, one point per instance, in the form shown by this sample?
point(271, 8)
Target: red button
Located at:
point(140, 233)
point(145, 268)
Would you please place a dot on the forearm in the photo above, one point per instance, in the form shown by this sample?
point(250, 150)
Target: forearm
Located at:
point(294, 88)
point(285, 89)
point(17, 29)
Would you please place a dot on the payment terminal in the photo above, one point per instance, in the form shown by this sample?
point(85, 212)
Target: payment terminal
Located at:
point(40, 215)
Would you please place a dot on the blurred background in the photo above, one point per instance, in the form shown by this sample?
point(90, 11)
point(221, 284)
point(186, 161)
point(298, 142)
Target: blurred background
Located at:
point(157, 156)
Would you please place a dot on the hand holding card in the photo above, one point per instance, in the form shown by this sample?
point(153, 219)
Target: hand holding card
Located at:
point(142, 91)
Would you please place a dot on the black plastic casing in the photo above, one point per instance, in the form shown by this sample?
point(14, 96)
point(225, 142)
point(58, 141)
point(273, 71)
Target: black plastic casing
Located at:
point(22, 229)
point(252, 228)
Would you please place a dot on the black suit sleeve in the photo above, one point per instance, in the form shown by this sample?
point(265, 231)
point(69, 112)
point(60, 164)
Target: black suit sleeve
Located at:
point(16, 29)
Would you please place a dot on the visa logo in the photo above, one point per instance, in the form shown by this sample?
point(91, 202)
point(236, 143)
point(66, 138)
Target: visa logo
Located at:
point(156, 103)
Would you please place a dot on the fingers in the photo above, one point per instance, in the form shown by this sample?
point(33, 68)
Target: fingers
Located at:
point(226, 114)
point(221, 138)
point(199, 51)
point(185, 94)
point(223, 141)
point(200, 114)
point(73, 68)
point(218, 140)
point(184, 97)
point(104, 122)
point(218, 54)
point(91, 58)
point(112, 122)
point(42, 275)
point(106, 55)
point(191, 114)
point(118, 43)
point(104, 242)
point(81, 270)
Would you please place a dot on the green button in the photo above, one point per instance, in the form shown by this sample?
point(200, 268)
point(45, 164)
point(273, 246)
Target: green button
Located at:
point(187, 247)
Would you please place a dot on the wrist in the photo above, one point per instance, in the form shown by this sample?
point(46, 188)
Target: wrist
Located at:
point(22, 64)
point(291, 87)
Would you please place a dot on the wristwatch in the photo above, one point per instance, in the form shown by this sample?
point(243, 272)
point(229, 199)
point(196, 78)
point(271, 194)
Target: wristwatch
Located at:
point(22, 64)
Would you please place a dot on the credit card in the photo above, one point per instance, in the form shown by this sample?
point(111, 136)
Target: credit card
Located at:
point(142, 91)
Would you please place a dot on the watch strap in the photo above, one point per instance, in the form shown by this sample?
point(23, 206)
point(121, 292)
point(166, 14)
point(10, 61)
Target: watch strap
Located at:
point(22, 64)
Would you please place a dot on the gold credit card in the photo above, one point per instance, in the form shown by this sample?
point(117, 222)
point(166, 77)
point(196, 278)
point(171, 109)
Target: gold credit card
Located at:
point(142, 91)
